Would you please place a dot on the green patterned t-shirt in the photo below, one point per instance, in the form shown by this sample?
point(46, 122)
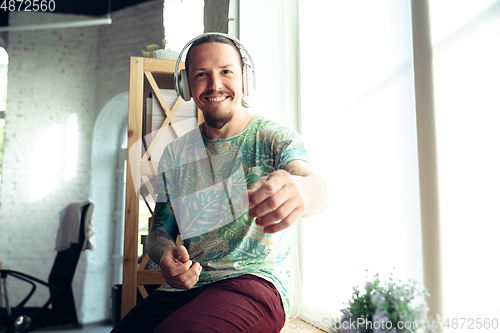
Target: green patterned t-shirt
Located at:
point(205, 180)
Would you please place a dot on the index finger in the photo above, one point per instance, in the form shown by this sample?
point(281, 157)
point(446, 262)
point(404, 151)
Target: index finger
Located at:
point(177, 268)
point(176, 260)
point(259, 183)
point(264, 188)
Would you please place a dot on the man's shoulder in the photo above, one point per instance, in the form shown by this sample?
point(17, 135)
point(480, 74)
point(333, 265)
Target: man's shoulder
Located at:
point(262, 123)
point(266, 128)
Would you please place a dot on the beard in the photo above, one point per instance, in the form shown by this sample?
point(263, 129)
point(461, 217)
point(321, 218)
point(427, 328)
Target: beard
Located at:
point(218, 121)
point(217, 118)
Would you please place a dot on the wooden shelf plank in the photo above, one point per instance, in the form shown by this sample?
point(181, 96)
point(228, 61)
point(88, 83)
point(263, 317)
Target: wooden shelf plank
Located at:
point(160, 65)
point(138, 166)
point(149, 277)
point(129, 288)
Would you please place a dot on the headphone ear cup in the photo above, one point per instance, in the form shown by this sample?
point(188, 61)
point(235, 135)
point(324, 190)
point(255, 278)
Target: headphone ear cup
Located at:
point(183, 86)
point(246, 79)
point(247, 85)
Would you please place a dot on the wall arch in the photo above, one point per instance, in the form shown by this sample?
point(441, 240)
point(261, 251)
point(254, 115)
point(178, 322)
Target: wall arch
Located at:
point(109, 130)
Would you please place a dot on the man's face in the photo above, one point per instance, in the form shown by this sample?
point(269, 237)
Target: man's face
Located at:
point(215, 81)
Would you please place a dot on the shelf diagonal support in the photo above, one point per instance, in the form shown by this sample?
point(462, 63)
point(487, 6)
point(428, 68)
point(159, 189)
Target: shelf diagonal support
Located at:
point(149, 186)
point(170, 113)
point(163, 103)
point(159, 134)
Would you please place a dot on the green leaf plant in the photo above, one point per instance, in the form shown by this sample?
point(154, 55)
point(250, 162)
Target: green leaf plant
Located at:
point(387, 307)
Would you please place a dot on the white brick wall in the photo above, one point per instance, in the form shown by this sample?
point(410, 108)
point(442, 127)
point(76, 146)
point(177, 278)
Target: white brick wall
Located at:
point(52, 75)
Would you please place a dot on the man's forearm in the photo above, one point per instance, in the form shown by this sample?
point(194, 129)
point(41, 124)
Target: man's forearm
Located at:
point(315, 193)
point(163, 231)
point(157, 243)
point(313, 187)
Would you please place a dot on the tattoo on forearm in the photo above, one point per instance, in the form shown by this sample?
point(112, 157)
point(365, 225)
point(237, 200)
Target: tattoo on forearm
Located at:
point(163, 231)
point(157, 240)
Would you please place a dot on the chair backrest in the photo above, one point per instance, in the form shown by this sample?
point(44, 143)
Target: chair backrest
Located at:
point(63, 272)
point(66, 261)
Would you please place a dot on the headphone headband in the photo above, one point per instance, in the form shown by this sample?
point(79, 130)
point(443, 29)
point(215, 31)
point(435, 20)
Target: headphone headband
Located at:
point(236, 41)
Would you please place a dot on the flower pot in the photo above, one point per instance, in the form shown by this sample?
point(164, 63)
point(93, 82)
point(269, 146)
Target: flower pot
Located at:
point(165, 54)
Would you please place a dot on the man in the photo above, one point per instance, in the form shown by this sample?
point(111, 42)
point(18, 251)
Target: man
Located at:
point(232, 277)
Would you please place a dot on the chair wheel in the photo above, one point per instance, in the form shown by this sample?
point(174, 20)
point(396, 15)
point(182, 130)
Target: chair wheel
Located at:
point(22, 323)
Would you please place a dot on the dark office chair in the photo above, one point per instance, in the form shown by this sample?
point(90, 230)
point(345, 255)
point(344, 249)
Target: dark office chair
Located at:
point(60, 308)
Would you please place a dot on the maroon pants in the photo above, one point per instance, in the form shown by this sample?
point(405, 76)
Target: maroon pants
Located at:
point(243, 304)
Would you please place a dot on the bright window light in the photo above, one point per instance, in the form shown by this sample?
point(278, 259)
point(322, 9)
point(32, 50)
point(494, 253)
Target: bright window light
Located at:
point(45, 168)
point(444, 24)
point(4, 66)
point(183, 20)
point(467, 85)
point(71, 148)
point(359, 124)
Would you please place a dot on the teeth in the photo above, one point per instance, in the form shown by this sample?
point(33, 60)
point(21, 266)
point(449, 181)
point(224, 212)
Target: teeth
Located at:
point(216, 99)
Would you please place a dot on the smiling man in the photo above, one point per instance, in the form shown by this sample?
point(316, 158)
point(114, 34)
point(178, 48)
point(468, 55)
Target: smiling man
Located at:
point(216, 83)
point(232, 198)
point(215, 80)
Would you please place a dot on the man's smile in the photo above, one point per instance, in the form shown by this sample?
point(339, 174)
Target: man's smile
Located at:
point(216, 99)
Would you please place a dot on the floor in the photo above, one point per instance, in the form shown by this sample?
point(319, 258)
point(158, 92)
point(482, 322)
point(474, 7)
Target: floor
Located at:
point(86, 329)
point(297, 326)
point(291, 327)
point(94, 328)
point(68, 329)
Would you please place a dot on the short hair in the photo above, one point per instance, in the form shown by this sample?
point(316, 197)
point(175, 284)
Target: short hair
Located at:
point(214, 39)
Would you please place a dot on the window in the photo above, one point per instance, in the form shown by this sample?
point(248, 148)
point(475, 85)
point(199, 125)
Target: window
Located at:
point(185, 14)
point(358, 121)
point(2, 135)
point(363, 102)
point(4, 63)
point(467, 107)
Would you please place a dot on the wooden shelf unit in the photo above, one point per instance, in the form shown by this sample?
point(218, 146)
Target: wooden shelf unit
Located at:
point(146, 75)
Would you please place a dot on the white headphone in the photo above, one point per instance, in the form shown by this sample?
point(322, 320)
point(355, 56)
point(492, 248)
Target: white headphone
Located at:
point(181, 80)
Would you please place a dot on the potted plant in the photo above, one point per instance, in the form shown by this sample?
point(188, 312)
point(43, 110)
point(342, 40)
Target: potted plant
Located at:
point(387, 307)
point(154, 51)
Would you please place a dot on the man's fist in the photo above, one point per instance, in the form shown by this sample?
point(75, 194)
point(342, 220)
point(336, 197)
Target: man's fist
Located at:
point(177, 269)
